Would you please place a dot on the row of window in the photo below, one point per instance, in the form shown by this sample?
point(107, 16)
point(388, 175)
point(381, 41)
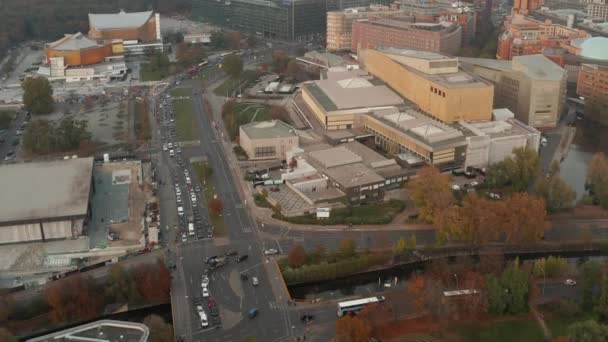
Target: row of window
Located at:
point(265, 151)
point(437, 91)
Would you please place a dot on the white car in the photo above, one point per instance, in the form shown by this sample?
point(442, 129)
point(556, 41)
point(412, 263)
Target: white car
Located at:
point(178, 192)
point(184, 237)
point(205, 292)
point(205, 281)
point(494, 195)
point(188, 180)
point(171, 153)
point(271, 251)
point(193, 198)
point(202, 315)
point(180, 211)
point(570, 282)
point(165, 148)
point(179, 199)
point(255, 281)
point(473, 184)
point(455, 187)
point(170, 145)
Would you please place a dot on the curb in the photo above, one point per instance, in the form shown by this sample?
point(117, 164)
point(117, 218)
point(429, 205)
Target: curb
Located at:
point(289, 299)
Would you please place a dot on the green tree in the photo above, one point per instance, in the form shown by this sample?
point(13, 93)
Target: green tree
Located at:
point(558, 195)
point(44, 137)
point(348, 248)
point(400, 246)
point(587, 331)
point(601, 306)
point(6, 117)
point(233, 66)
point(496, 295)
point(590, 275)
point(516, 171)
point(597, 179)
point(122, 288)
point(38, 95)
point(252, 41)
point(515, 283)
point(218, 40)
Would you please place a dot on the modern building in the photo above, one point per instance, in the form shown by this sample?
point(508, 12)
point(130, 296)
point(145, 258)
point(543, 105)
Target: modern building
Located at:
point(44, 201)
point(77, 49)
point(337, 100)
point(433, 82)
point(533, 87)
point(491, 142)
point(297, 20)
point(524, 35)
point(267, 139)
point(104, 330)
point(315, 60)
point(140, 26)
point(597, 9)
point(592, 82)
point(340, 23)
point(405, 32)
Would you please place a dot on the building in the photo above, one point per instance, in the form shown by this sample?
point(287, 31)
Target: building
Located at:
point(592, 82)
point(298, 20)
point(491, 142)
point(77, 49)
point(532, 87)
point(597, 9)
point(337, 100)
point(197, 38)
point(44, 201)
point(315, 60)
point(139, 26)
point(267, 139)
point(104, 330)
point(526, 7)
point(340, 23)
point(527, 36)
point(405, 32)
point(433, 82)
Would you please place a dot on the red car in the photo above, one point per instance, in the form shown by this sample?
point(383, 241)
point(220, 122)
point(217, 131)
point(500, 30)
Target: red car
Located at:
point(211, 302)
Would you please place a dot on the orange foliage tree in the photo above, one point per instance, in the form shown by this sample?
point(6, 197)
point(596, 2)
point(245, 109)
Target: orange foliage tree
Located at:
point(430, 191)
point(153, 281)
point(376, 316)
point(352, 329)
point(74, 298)
point(415, 289)
point(216, 206)
point(296, 256)
point(525, 219)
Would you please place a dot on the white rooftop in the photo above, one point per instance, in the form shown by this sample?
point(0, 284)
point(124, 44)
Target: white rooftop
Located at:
point(44, 190)
point(118, 20)
point(73, 42)
point(336, 156)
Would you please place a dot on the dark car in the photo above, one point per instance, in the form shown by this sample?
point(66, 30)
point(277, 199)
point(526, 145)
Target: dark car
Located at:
point(244, 277)
point(214, 311)
point(16, 142)
point(252, 313)
point(242, 258)
point(215, 320)
point(306, 318)
point(232, 253)
point(210, 259)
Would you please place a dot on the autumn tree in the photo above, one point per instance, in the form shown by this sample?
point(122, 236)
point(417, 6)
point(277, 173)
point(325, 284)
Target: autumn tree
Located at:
point(430, 191)
point(153, 281)
point(473, 306)
point(376, 315)
point(351, 328)
point(597, 179)
point(587, 331)
point(477, 221)
point(296, 256)
point(73, 298)
point(121, 287)
point(233, 66)
point(525, 219)
point(293, 69)
point(415, 289)
point(516, 171)
point(189, 54)
point(347, 248)
point(7, 305)
point(160, 331)
point(558, 195)
point(38, 95)
point(216, 207)
point(7, 336)
point(233, 39)
point(280, 60)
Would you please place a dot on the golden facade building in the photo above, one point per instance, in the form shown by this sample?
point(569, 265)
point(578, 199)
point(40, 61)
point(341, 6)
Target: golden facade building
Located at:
point(77, 49)
point(138, 26)
point(433, 82)
point(339, 24)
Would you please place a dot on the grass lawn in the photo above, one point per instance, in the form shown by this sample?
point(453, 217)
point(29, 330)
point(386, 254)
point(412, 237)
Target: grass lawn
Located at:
point(517, 329)
point(185, 125)
point(245, 113)
point(149, 75)
point(380, 213)
point(208, 186)
point(230, 86)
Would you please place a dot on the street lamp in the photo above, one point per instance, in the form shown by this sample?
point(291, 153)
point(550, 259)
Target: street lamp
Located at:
point(456, 276)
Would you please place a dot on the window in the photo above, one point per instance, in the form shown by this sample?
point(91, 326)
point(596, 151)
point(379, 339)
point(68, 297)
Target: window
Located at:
point(265, 151)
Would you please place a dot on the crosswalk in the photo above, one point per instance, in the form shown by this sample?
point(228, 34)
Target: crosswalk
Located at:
point(246, 230)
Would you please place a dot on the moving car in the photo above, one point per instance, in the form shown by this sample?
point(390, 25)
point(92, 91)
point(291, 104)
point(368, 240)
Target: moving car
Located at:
point(184, 237)
point(252, 313)
point(570, 282)
point(205, 280)
point(271, 251)
point(242, 258)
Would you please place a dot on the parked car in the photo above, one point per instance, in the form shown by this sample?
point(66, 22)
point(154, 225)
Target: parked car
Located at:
point(306, 318)
point(252, 313)
point(570, 282)
point(232, 253)
point(255, 281)
point(205, 292)
point(242, 258)
point(208, 259)
point(205, 281)
point(271, 251)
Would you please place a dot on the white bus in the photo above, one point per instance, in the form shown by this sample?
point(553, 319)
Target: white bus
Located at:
point(357, 304)
point(191, 229)
point(203, 64)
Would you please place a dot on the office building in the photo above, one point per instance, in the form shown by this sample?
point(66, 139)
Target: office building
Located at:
point(434, 82)
point(339, 24)
point(267, 139)
point(533, 87)
point(404, 32)
point(592, 82)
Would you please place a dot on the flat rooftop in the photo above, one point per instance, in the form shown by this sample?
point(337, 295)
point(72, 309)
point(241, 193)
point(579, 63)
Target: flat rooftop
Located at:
point(536, 67)
point(268, 130)
point(352, 175)
point(428, 55)
point(100, 331)
point(497, 129)
point(336, 156)
point(45, 190)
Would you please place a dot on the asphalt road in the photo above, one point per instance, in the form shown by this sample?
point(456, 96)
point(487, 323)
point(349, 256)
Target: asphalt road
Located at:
point(10, 135)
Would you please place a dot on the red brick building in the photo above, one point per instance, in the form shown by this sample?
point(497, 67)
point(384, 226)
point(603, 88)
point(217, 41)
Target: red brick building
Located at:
point(405, 33)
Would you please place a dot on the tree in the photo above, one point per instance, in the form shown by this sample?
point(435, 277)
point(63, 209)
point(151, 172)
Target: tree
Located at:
point(6, 117)
point(216, 206)
point(160, 331)
point(153, 281)
point(233, 39)
point(525, 219)
point(558, 195)
point(477, 221)
point(296, 256)
point(189, 54)
point(43, 137)
point(73, 298)
point(293, 69)
point(233, 66)
point(353, 329)
point(601, 306)
point(516, 171)
point(430, 192)
point(597, 179)
point(415, 289)
point(587, 331)
point(509, 293)
point(252, 41)
point(7, 336)
point(590, 275)
point(376, 316)
point(496, 295)
point(38, 95)
point(348, 248)
point(280, 59)
point(218, 40)
point(121, 287)
point(7, 305)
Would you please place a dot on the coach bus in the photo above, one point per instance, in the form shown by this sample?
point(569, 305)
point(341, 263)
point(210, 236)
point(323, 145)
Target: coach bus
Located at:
point(357, 304)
